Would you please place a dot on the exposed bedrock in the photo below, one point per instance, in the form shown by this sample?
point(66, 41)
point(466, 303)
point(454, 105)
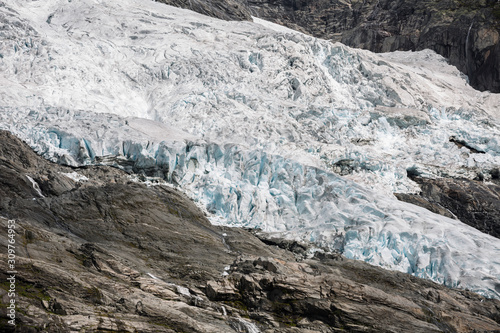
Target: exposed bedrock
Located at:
point(473, 202)
point(96, 252)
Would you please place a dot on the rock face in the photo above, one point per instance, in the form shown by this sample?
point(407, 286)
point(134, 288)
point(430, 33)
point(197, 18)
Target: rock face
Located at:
point(465, 32)
point(472, 202)
point(98, 252)
point(314, 294)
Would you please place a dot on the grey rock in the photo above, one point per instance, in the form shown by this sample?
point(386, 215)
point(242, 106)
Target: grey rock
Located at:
point(108, 254)
point(421, 201)
point(473, 202)
point(329, 295)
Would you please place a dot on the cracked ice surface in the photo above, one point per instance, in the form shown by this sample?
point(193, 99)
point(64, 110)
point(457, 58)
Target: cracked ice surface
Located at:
point(250, 119)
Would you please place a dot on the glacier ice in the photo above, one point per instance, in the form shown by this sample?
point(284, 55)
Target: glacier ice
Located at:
point(252, 120)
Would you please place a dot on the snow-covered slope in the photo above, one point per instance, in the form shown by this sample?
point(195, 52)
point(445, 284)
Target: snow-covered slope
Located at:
point(251, 119)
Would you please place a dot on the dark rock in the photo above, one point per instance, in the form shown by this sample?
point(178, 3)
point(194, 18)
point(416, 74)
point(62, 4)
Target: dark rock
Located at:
point(418, 200)
point(221, 291)
point(351, 296)
point(344, 167)
point(110, 255)
point(56, 307)
point(463, 143)
point(473, 202)
point(289, 245)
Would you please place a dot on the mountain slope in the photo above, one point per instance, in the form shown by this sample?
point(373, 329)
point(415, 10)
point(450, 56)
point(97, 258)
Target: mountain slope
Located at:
point(99, 252)
point(256, 122)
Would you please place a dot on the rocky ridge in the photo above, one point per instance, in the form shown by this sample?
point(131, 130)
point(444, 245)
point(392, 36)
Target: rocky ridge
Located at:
point(98, 251)
point(473, 202)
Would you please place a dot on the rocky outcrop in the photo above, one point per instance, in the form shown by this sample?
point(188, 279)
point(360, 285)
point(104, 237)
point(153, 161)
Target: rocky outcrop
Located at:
point(316, 294)
point(97, 251)
point(473, 202)
point(421, 201)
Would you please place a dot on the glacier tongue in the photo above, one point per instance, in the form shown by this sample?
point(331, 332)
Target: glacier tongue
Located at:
point(251, 120)
point(252, 188)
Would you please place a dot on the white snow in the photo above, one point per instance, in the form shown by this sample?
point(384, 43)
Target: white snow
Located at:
point(251, 120)
point(36, 187)
point(242, 325)
point(75, 176)
point(183, 291)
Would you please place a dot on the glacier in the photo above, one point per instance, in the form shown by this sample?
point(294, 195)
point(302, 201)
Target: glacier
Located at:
point(255, 123)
